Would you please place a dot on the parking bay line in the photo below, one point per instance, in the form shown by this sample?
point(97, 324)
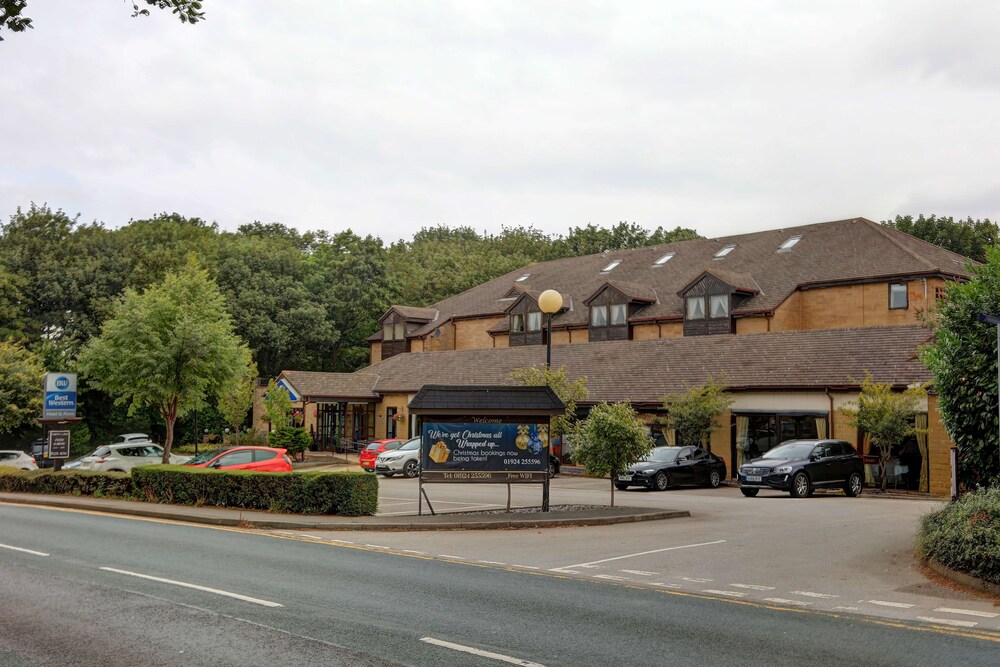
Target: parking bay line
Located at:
point(900, 605)
point(948, 621)
point(206, 589)
point(967, 612)
point(481, 653)
point(641, 553)
point(24, 551)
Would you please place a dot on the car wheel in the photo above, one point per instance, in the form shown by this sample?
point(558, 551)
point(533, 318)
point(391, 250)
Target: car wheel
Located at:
point(854, 485)
point(661, 482)
point(621, 487)
point(801, 488)
point(749, 493)
point(410, 469)
point(552, 469)
point(714, 479)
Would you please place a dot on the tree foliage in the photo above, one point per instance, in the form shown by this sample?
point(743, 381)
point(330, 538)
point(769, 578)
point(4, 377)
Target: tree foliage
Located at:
point(886, 415)
point(610, 440)
point(969, 238)
point(570, 392)
point(236, 397)
point(21, 375)
point(962, 358)
point(293, 438)
point(187, 11)
point(277, 405)
point(692, 413)
point(171, 348)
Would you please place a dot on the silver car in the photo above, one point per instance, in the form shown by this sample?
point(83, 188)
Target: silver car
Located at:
point(14, 459)
point(124, 457)
point(405, 460)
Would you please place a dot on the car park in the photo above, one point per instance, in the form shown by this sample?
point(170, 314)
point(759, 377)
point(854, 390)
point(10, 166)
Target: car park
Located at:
point(801, 466)
point(665, 467)
point(368, 455)
point(124, 457)
point(405, 460)
point(11, 458)
point(257, 459)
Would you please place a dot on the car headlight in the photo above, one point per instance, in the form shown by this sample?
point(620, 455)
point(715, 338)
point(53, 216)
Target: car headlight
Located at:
point(647, 471)
point(783, 470)
point(388, 458)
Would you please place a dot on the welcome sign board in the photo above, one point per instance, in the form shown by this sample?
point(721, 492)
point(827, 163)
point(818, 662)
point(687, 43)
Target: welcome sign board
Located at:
point(484, 452)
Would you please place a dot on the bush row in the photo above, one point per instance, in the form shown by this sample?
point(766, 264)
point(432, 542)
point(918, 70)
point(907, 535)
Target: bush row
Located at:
point(347, 494)
point(965, 535)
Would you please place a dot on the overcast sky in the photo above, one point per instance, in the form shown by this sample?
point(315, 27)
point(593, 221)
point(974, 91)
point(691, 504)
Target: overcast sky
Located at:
point(389, 116)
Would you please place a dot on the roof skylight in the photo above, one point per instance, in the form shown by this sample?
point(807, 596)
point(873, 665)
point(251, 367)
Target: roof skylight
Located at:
point(611, 266)
point(663, 260)
point(725, 251)
point(523, 278)
point(790, 243)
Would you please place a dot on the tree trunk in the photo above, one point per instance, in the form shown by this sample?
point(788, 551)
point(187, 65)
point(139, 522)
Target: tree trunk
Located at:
point(612, 489)
point(169, 414)
point(883, 468)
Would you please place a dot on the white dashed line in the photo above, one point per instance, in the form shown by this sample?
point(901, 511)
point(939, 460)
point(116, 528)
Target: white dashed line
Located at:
point(376, 546)
point(948, 621)
point(732, 594)
point(24, 551)
point(845, 608)
point(753, 587)
point(784, 601)
point(527, 567)
point(660, 583)
point(560, 570)
point(809, 594)
point(641, 573)
point(610, 577)
point(448, 556)
point(311, 537)
point(900, 605)
point(341, 541)
point(411, 551)
point(641, 553)
point(483, 654)
point(697, 580)
point(216, 591)
point(492, 562)
point(967, 612)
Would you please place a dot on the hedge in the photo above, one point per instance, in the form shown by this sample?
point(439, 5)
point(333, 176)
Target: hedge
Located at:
point(347, 494)
point(965, 535)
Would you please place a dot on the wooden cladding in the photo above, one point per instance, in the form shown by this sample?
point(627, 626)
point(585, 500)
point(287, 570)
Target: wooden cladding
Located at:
point(396, 343)
point(526, 323)
point(708, 307)
point(610, 311)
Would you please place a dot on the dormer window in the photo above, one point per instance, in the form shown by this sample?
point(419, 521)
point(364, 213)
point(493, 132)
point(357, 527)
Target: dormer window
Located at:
point(696, 308)
point(718, 305)
point(525, 326)
point(725, 251)
point(535, 321)
point(517, 323)
point(395, 331)
point(619, 314)
point(789, 244)
point(598, 316)
point(610, 267)
point(664, 259)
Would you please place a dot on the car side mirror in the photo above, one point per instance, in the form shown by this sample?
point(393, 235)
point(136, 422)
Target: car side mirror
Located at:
point(216, 464)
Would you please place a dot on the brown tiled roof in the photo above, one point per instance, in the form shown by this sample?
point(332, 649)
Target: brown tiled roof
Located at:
point(635, 291)
point(311, 385)
point(415, 313)
point(643, 371)
point(840, 251)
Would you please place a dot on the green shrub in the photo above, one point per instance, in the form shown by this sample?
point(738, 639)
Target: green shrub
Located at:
point(66, 482)
point(965, 535)
point(295, 440)
point(347, 494)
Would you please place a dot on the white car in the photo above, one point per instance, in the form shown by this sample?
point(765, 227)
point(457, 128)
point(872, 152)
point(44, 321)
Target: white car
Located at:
point(124, 457)
point(405, 460)
point(130, 438)
point(15, 459)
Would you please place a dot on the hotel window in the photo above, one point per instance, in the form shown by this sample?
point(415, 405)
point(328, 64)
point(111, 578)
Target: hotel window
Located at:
point(719, 305)
point(517, 323)
point(619, 314)
point(696, 308)
point(598, 316)
point(939, 293)
point(400, 331)
point(897, 296)
point(387, 332)
point(535, 321)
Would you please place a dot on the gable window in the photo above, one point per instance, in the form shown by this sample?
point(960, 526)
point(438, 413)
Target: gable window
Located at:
point(598, 316)
point(897, 296)
point(619, 314)
point(696, 308)
point(535, 321)
point(719, 305)
point(517, 323)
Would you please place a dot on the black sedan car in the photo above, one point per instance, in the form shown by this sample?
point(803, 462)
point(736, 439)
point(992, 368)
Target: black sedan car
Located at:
point(799, 466)
point(674, 466)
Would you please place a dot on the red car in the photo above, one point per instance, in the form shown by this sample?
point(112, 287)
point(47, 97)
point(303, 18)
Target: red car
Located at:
point(376, 447)
point(258, 459)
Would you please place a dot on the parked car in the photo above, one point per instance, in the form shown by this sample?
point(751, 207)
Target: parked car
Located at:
point(129, 438)
point(15, 459)
point(799, 466)
point(258, 459)
point(404, 460)
point(38, 453)
point(124, 457)
point(674, 466)
point(371, 452)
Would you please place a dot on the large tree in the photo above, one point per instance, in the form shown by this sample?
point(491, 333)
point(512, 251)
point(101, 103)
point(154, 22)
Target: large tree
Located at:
point(188, 11)
point(171, 348)
point(963, 360)
point(21, 375)
point(969, 238)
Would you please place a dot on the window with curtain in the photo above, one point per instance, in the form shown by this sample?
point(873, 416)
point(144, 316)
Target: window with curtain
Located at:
point(696, 308)
point(821, 431)
point(719, 305)
point(400, 333)
point(598, 316)
point(517, 323)
point(387, 332)
point(619, 314)
point(535, 321)
point(742, 438)
point(925, 477)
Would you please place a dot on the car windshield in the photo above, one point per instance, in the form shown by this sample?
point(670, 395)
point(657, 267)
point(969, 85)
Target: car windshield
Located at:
point(372, 447)
point(412, 444)
point(205, 456)
point(663, 454)
point(793, 450)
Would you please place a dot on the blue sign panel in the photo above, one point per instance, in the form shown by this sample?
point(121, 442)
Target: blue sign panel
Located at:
point(485, 447)
point(284, 384)
point(60, 396)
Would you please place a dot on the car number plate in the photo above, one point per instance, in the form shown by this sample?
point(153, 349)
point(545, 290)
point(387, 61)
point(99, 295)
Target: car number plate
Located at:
point(754, 478)
point(624, 478)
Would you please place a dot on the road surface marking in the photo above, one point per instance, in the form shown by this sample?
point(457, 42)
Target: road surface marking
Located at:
point(25, 551)
point(447, 556)
point(376, 546)
point(784, 601)
point(492, 562)
point(732, 594)
point(483, 654)
point(901, 605)
point(696, 580)
point(641, 553)
point(846, 608)
point(341, 541)
point(967, 612)
point(411, 551)
point(809, 594)
point(641, 573)
point(610, 576)
point(948, 621)
point(660, 583)
point(753, 587)
point(527, 567)
point(312, 537)
point(564, 571)
point(245, 598)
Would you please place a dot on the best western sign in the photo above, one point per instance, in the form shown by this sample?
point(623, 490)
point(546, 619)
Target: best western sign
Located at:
point(60, 396)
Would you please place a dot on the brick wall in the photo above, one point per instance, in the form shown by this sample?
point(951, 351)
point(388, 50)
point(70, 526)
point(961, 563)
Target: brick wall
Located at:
point(376, 352)
point(398, 401)
point(751, 325)
point(472, 334)
point(446, 341)
point(939, 446)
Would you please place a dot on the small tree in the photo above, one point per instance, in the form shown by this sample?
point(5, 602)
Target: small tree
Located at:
point(292, 438)
point(21, 376)
point(887, 416)
point(570, 392)
point(236, 398)
point(610, 440)
point(692, 413)
point(277, 405)
point(171, 348)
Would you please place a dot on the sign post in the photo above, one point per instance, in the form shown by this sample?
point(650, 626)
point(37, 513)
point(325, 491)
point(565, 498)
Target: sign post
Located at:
point(60, 396)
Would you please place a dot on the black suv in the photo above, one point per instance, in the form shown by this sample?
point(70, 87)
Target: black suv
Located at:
point(799, 466)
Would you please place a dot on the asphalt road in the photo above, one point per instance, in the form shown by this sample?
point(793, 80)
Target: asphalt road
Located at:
point(342, 604)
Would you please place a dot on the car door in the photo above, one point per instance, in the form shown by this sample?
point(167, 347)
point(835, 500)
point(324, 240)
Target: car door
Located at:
point(682, 472)
point(844, 461)
point(701, 466)
point(265, 461)
point(823, 469)
point(241, 459)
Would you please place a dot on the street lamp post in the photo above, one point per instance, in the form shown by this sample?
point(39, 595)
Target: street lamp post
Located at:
point(994, 320)
point(550, 301)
